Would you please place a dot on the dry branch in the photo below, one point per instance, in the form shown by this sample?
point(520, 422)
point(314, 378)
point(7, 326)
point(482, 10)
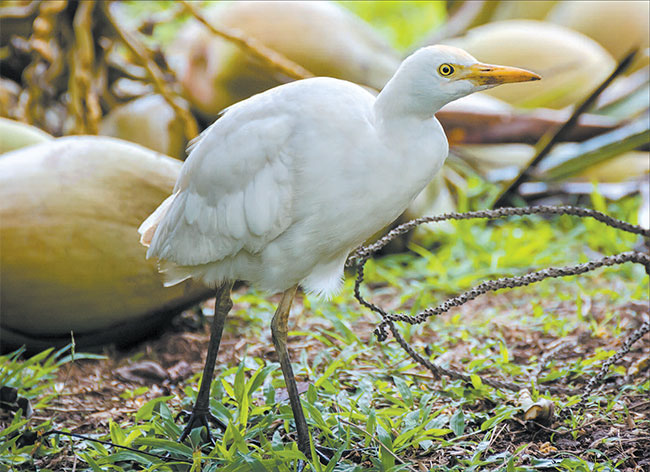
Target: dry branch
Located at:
point(362, 254)
point(549, 140)
point(271, 57)
point(157, 77)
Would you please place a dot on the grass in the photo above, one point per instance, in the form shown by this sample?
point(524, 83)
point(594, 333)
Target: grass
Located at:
point(366, 402)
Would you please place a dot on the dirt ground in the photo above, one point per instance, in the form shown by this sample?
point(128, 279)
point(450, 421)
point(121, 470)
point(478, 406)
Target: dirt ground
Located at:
point(92, 392)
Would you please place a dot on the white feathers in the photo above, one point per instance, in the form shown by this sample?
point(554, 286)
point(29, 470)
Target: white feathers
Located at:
point(281, 187)
point(234, 194)
point(149, 226)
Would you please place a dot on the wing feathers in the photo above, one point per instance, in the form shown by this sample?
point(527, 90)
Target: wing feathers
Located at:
point(192, 208)
point(148, 227)
point(234, 192)
point(235, 222)
point(192, 230)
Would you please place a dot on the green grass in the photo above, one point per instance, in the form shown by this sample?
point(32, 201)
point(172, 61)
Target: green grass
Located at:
point(370, 397)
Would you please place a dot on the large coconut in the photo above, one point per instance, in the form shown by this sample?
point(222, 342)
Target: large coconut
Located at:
point(149, 121)
point(523, 10)
point(323, 37)
point(16, 135)
point(628, 166)
point(503, 161)
point(618, 25)
point(71, 258)
point(570, 63)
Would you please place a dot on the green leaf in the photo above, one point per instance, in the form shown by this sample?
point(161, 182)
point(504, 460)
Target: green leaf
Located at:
point(371, 426)
point(259, 376)
point(240, 383)
point(165, 444)
point(253, 464)
point(457, 422)
point(505, 357)
point(404, 391)
point(117, 435)
point(146, 411)
point(328, 372)
point(477, 383)
point(93, 464)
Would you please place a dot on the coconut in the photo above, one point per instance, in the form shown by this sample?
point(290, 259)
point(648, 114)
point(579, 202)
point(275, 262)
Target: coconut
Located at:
point(618, 25)
point(149, 121)
point(631, 165)
point(322, 37)
point(570, 63)
point(503, 161)
point(433, 200)
point(523, 9)
point(497, 161)
point(16, 135)
point(71, 260)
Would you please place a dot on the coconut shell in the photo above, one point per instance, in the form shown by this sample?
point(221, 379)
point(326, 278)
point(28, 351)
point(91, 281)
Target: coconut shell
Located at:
point(16, 135)
point(435, 199)
point(542, 411)
point(322, 37)
point(628, 166)
point(618, 26)
point(149, 121)
point(491, 158)
point(571, 64)
point(71, 258)
point(523, 10)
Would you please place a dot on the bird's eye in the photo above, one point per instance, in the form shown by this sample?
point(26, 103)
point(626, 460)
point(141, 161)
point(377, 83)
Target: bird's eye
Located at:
point(446, 70)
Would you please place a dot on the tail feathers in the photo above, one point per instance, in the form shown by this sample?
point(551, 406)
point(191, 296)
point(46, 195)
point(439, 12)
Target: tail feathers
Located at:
point(174, 274)
point(211, 274)
point(325, 280)
point(148, 227)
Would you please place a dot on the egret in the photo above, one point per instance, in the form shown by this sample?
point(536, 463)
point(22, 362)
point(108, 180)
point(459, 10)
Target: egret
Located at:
point(282, 187)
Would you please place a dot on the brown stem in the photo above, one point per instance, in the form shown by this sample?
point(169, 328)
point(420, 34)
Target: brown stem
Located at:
point(251, 45)
point(157, 77)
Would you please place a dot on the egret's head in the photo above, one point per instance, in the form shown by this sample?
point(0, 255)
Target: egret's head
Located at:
point(433, 76)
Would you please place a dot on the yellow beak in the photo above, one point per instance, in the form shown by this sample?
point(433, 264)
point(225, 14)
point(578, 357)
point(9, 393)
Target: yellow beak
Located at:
point(487, 74)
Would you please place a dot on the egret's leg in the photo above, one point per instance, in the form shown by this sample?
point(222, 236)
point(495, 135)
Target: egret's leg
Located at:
point(279, 332)
point(201, 412)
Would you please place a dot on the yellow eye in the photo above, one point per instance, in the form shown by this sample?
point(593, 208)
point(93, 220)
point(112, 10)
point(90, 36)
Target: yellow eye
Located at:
point(446, 70)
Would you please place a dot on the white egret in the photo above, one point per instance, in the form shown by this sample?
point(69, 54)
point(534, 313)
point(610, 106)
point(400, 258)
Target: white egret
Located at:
point(285, 184)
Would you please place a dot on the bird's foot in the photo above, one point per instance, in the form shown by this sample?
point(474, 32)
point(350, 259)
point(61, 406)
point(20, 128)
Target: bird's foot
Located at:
point(323, 453)
point(324, 456)
point(199, 419)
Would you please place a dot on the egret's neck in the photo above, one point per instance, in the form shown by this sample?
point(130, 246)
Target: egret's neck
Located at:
point(404, 97)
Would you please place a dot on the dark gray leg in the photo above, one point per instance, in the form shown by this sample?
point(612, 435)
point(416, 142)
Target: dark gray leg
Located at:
point(279, 332)
point(201, 412)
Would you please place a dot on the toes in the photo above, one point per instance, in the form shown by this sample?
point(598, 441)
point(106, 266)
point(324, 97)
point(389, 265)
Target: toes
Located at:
point(198, 421)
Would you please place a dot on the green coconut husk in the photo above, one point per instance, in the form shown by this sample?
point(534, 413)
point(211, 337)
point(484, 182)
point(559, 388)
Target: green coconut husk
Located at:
point(522, 10)
point(619, 26)
point(16, 135)
point(322, 37)
point(149, 121)
point(71, 258)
